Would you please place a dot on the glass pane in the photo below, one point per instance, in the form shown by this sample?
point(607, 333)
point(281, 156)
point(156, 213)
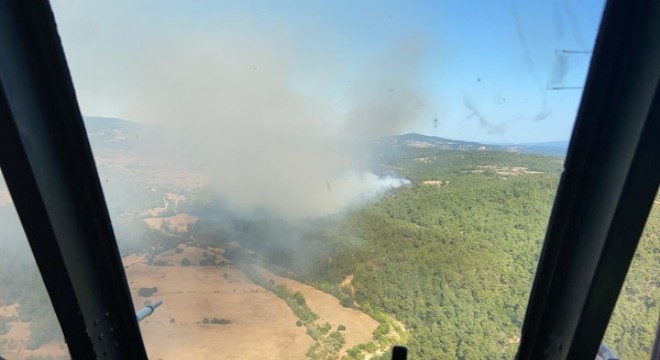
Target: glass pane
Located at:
point(28, 326)
point(326, 179)
point(631, 331)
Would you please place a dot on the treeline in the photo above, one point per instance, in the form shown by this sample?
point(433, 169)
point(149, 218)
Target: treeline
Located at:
point(453, 263)
point(327, 343)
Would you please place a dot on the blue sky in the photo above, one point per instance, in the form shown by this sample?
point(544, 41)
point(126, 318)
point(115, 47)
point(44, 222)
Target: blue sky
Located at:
point(481, 68)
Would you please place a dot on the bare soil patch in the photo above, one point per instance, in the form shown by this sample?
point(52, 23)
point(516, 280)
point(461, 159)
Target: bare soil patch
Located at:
point(178, 222)
point(426, 159)
point(262, 326)
point(504, 170)
point(437, 183)
point(347, 283)
point(194, 254)
point(175, 198)
point(9, 310)
point(15, 342)
point(153, 170)
point(359, 326)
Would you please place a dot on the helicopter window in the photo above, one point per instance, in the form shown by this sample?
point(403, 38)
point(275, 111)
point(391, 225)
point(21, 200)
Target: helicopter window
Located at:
point(326, 181)
point(257, 136)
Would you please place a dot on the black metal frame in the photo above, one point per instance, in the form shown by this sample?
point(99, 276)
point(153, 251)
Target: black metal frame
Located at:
point(611, 176)
point(49, 169)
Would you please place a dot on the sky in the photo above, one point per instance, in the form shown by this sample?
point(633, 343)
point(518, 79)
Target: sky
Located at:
point(469, 70)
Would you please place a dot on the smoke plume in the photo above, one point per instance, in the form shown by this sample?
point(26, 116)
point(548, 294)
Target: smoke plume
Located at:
point(233, 98)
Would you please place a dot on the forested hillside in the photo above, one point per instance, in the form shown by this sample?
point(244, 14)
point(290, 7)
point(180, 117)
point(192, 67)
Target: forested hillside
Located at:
point(453, 255)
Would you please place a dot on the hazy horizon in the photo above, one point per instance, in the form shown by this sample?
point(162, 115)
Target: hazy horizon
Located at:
point(437, 135)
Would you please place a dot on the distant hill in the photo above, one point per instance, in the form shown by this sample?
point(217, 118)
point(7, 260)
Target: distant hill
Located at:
point(118, 133)
point(414, 140)
point(554, 148)
point(96, 123)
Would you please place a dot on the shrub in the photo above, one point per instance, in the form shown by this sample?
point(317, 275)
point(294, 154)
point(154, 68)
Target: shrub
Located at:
point(370, 347)
point(337, 340)
point(235, 254)
point(325, 328)
point(299, 323)
point(146, 292)
point(299, 298)
point(222, 321)
point(185, 262)
point(346, 302)
point(206, 262)
point(381, 331)
point(313, 333)
point(341, 328)
point(216, 321)
point(353, 353)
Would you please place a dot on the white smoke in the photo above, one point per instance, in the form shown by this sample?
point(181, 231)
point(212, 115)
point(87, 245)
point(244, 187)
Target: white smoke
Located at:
point(240, 96)
point(355, 188)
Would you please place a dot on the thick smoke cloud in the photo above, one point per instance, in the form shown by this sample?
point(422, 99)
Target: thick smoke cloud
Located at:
point(233, 97)
point(387, 94)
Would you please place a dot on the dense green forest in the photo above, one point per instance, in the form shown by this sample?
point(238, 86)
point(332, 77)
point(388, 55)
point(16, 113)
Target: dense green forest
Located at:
point(453, 259)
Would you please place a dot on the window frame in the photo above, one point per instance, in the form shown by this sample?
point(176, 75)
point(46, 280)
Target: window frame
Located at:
point(50, 172)
point(605, 193)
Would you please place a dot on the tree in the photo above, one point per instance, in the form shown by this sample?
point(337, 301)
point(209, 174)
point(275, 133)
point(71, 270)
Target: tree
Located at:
point(147, 292)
